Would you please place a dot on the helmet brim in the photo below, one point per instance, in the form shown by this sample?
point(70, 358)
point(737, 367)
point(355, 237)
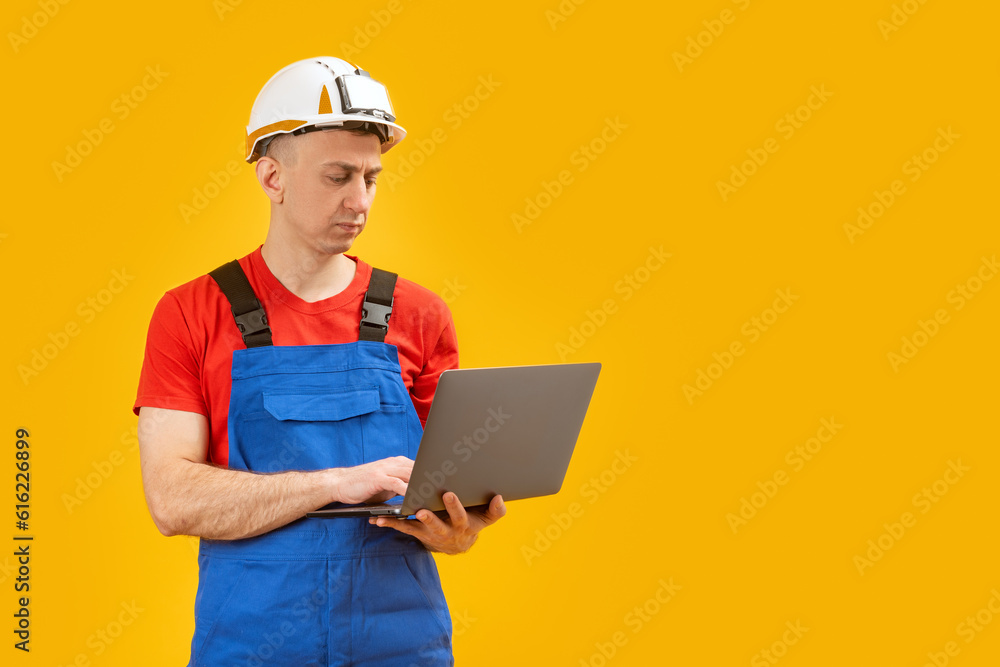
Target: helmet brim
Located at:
point(255, 150)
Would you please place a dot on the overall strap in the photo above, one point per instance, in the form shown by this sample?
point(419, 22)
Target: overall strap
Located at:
point(377, 307)
point(247, 310)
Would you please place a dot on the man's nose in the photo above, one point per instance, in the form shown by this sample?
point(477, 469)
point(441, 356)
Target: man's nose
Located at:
point(359, 198)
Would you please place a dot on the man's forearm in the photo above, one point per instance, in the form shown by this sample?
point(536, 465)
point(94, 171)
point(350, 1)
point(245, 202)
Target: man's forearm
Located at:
point(217, 503)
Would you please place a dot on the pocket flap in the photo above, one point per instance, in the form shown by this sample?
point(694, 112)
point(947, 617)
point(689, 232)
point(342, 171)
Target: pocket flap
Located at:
point(325, 406)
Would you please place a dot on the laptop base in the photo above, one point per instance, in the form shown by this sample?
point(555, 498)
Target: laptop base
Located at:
point(389, 510)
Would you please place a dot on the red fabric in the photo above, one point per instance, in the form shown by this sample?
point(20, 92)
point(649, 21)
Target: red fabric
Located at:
point(192, 335)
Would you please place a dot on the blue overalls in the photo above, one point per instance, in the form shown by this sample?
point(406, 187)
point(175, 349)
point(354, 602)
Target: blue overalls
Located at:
point(318, 592)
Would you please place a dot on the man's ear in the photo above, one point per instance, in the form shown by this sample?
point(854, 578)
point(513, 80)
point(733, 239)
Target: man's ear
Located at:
point(270, 173)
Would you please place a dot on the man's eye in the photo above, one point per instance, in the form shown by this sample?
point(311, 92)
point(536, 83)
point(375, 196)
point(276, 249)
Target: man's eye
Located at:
point(337, 179)
point(371, 182)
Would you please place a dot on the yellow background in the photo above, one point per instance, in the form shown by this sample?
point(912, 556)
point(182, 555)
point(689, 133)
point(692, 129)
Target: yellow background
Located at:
point(564, 71)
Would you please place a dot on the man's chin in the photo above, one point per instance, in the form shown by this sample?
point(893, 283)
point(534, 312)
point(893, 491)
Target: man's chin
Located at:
point(337, 247)
point(336, 242)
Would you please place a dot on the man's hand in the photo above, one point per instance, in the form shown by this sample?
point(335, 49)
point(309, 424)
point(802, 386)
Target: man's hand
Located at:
point(453, 536)
point(373, 482)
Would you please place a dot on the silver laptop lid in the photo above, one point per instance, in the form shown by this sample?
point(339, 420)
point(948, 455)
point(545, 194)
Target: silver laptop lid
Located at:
point(508, 430)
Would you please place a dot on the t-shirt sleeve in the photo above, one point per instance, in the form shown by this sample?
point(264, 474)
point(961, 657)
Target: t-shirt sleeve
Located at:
point(171, 368)
point(443, 357)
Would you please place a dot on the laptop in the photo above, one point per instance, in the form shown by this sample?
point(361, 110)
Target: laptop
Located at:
point(509, 430)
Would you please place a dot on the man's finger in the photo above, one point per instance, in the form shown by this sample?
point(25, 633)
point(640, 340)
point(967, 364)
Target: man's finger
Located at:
point(459, 517)
point(394, 484)
point(433, 523)
point(402, 525)
point(496, 511)
point(401, 467)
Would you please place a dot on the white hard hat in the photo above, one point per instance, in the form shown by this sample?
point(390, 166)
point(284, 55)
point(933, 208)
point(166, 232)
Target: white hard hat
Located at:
point(320, 93)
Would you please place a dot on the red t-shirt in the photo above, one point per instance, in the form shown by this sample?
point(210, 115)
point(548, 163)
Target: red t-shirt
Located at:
point(192, 335)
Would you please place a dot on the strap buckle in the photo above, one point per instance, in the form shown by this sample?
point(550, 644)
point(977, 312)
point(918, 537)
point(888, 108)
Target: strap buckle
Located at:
point(377, 306)
point(247, 310)
point(375, 314)
point(253, 322)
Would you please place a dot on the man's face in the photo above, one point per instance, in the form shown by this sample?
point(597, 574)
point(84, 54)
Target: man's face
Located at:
point(329, 186)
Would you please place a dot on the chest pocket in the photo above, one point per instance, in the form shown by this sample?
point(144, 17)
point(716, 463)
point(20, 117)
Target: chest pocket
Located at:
point(311, 429)
point(328, 406)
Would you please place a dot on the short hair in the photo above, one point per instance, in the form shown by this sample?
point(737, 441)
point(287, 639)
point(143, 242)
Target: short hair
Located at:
point(282, 149)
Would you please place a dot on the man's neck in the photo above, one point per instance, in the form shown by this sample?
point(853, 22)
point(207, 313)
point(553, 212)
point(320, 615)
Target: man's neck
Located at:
point(308, 275)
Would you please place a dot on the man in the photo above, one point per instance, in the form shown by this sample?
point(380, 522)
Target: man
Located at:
point(298, 377)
